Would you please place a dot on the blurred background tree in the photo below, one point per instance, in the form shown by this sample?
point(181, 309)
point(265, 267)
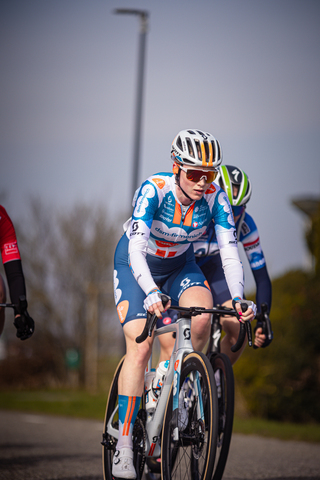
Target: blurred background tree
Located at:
point(68, 265)
point(282, 381)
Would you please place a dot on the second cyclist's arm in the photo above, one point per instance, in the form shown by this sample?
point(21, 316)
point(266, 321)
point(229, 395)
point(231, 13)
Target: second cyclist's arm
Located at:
point(250, 239)
point(228, 245)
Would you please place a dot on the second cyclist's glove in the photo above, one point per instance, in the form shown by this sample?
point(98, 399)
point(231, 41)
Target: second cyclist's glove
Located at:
point(262, 324)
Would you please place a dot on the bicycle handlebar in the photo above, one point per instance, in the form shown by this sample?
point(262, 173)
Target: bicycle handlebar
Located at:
point(245, 327)
point(21, 306)
point(151, 322)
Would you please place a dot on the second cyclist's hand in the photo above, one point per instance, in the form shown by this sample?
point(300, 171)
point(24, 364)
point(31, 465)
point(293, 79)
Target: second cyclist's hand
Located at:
point(153, 303)
point(260, 338)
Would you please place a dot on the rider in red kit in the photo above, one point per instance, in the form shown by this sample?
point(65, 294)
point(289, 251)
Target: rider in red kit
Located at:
point(13, 268)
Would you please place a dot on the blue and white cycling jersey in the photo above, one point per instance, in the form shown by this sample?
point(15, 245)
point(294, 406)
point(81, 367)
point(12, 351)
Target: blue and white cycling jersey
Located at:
point(248, 235)
point(164, 228)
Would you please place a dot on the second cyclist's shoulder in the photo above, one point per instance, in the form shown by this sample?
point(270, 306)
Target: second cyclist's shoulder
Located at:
point(248, 224)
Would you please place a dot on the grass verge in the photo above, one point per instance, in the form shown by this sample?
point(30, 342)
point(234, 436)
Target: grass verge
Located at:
point(81, 404)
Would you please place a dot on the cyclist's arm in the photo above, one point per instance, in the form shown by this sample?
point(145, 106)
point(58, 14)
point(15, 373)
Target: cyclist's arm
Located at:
point(228, 244)
point(250, 239)
point(141, 222)
point(11, 257)
point(139, 235)
point(231, 264)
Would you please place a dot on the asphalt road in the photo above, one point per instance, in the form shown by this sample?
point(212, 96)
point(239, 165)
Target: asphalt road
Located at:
point(43, 447)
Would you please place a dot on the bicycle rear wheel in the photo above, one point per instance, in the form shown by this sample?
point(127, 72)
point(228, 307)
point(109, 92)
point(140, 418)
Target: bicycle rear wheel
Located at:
point(109, 442)
point(221, 364)
point(192, 456)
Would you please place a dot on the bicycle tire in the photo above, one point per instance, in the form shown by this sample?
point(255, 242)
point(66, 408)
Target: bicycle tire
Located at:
point(220, 362)
point(109, 442)
point(192, 456)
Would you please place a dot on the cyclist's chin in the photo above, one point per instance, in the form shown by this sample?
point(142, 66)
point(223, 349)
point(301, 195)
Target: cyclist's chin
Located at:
point(197, 194)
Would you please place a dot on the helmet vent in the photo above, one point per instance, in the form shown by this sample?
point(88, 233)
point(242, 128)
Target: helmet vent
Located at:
point(198, 149)
point(191, 132)
point(179, 143)
point(206, 148)
point(190, 147)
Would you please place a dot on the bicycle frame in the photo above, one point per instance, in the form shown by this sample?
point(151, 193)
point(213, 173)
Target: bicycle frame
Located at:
point(182, 346)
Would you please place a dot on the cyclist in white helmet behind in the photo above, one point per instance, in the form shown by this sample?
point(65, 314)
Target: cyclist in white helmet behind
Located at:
point(155, 255)
point(237, 186)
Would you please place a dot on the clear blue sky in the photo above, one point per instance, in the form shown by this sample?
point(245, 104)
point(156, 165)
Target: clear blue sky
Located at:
point(248, 71)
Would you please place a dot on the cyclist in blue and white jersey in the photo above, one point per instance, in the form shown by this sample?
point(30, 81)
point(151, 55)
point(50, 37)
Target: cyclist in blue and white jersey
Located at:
point(155, 255)
point(237, 186)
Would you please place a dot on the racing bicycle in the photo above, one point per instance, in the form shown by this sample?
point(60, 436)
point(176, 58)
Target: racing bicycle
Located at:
point(184, 429)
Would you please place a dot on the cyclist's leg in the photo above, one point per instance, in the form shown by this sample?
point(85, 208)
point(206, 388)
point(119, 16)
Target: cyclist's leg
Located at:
point(166, 340)
point(200, 325)
point(2, 300)
point(129, 301)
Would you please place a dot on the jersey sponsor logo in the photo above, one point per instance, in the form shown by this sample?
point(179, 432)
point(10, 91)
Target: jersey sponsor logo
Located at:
point(11, 250)
point(257, 261)
point(195, 224)
point(167, 320)
point(177, 234)
point(252, 245)
point(257, 264)
point(211, 189)
point(159, 182)
point(142, 202)
point(162, 244)
point(122, 310)
point(245, 228)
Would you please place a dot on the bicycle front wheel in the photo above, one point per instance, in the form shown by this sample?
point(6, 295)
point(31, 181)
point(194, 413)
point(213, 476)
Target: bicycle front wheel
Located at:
point(109, 442)
point(224, 375)
point(192, 455)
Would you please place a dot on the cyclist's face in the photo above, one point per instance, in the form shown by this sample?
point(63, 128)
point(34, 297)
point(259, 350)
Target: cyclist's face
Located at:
point(194, 190)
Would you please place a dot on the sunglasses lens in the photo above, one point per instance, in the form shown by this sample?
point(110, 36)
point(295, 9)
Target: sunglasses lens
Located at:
point(196, 175)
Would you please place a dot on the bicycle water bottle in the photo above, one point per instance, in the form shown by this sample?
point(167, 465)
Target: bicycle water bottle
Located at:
point(153, 385)
point(158, 379)
point(150, 400)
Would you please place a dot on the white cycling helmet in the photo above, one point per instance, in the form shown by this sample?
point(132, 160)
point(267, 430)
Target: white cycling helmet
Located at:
point(229, 177)
point(196, 148)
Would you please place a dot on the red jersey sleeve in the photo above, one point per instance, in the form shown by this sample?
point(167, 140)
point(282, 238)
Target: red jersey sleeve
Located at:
point(8, 240)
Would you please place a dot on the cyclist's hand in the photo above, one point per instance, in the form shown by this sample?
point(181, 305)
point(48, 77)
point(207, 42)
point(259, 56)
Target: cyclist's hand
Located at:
point(260, 338)
point(249, 314)
point(153, 303)
point(24, 325)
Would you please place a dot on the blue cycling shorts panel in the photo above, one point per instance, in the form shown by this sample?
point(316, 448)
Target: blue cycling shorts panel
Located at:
point(172, 275)
point(213, 271)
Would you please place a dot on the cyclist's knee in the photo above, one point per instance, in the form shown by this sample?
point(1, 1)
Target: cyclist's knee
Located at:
point(200, 326)
point(139, 354)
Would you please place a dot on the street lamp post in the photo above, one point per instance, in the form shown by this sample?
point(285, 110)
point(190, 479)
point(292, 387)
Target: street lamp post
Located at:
point(141, 61)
